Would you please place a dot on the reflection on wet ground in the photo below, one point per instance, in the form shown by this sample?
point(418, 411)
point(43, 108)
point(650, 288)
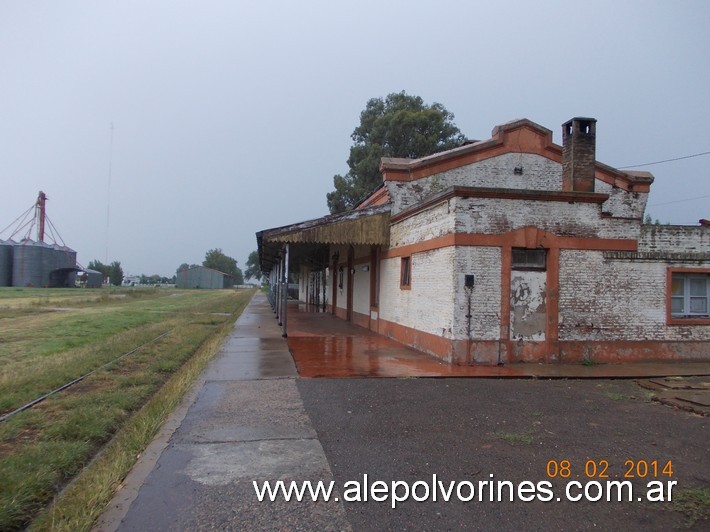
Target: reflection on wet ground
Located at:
point(325, 346)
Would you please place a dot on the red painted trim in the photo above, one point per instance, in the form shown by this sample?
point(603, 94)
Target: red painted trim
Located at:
point(361, 320)
point(502, 193)
point(523, 136)
point(429, 343)
point(670, 320)
point(524, 237)
point(379, 197)
point(629, 351)
point(570, 352)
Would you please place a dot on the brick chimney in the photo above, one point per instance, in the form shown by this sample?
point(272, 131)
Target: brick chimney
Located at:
point(579, 154)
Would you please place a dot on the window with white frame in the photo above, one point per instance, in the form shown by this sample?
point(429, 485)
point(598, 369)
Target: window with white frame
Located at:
point(690, 294)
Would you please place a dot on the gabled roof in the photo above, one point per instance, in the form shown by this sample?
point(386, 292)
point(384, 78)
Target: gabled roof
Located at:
point(198, 267)
point(517, 136)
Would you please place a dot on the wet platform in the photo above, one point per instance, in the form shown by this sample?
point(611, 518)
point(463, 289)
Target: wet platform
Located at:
point(325, 346)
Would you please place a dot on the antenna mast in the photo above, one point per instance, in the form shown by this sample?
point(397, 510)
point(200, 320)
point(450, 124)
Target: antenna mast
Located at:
point(108, 195)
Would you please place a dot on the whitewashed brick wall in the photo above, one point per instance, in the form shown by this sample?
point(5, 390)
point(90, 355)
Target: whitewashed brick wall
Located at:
point(539, 173)
point(429, 305)
point(616, 300)
point(497, 216)
point(432, 223)
point(675, 239)
point(622, 202)
point(485, 264)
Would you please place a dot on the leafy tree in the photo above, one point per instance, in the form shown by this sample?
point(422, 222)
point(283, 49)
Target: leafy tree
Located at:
point(217, 260)
point(401, 125)
point(99, 266)
point(253, 270)
point(115, 273)
point(185, 266)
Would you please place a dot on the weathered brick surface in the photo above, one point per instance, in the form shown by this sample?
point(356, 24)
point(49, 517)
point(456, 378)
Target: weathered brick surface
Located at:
point(485, 264)
point(496, 216)
point(617, 300)
point(432, 223)
point(428, 305)
point(622, 203)
point(539, 173)
point(675, 238)
point(578, 154)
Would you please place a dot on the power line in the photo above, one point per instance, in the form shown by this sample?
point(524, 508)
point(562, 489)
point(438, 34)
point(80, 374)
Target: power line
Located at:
point(680, 200)
point(665, 161)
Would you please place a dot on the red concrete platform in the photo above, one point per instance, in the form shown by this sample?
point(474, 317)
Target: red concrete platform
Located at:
point(325, 346)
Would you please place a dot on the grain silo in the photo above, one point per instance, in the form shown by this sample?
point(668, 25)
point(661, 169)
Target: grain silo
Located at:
point(36, 263)
point(6, 249)
point(62, 272)
point(30, 263)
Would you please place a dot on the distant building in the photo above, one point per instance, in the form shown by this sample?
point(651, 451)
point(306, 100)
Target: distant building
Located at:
point(131, 280)
point(201, 277)
point(91, 278)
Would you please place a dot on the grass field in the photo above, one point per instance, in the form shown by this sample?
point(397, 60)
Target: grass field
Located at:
point(49, 337)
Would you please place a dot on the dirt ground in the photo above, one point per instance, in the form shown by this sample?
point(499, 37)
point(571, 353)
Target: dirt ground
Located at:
point(516, 430)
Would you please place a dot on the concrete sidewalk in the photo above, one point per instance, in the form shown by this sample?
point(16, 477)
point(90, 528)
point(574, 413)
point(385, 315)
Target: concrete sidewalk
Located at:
point(243, 421)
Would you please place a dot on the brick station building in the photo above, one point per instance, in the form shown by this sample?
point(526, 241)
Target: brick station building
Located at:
point(511, 249)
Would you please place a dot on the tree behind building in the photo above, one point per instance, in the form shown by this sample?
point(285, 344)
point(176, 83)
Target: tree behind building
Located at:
point(401, 125)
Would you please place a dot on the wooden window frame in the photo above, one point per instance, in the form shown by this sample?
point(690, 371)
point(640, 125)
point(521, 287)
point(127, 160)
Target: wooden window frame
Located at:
point(683, 320)
point(405, 273)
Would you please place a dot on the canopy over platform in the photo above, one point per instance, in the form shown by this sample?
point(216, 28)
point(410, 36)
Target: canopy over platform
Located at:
point(311, 238)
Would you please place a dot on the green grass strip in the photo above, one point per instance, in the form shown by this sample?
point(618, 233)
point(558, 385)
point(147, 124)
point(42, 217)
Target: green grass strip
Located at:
point(84, 500)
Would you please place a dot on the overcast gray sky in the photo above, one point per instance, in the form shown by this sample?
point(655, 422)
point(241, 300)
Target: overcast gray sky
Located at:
point(231, 116)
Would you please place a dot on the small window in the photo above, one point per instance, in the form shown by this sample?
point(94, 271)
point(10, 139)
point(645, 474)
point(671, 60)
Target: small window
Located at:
point(690, 294)
point(405, 280)
point(529, 259)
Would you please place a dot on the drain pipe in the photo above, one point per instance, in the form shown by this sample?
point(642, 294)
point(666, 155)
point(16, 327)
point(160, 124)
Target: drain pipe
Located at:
point(469, 282)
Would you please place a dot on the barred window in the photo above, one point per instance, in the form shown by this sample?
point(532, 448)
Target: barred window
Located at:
point(529, 259)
